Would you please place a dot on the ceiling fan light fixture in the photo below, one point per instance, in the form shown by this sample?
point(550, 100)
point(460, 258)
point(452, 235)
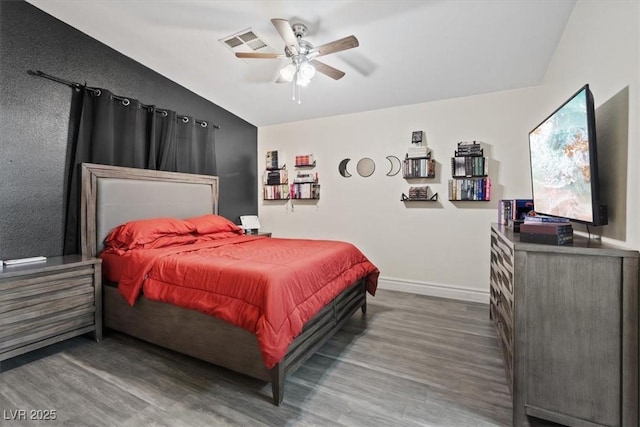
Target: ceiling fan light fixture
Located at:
point(306, 71)
point(301, 54)
point(288, 72)
point(302, 82)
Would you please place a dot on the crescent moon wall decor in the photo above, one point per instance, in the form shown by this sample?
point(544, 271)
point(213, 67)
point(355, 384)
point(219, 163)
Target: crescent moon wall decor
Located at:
point(342, 168)
point(396, 165)
point(365, 167)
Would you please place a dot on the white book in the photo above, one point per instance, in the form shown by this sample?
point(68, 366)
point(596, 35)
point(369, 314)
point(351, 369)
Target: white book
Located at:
point(25, 260)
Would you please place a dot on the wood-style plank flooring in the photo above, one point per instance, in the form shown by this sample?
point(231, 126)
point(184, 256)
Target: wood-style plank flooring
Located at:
point(411, 361)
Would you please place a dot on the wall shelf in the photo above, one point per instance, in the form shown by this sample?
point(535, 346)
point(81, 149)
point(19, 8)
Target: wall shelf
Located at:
point(418, 164)
point(406, 198)
point(275, 192)
point(305, 184)
point(311, 165)
point(275, 183)
point(419, 167)
point(305, 191)
point(470, 174)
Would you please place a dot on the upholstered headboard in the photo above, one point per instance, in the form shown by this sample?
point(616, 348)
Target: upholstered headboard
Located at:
point(113, 195)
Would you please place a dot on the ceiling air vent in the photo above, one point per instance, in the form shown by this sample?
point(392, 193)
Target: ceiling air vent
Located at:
point(248, 36)
point(245, 41)
point(233, 42)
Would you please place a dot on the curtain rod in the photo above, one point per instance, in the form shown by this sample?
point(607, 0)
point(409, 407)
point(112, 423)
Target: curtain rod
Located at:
point(125, 101)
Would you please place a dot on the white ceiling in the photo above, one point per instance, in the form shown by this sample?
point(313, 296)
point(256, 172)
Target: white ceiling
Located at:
point(410, 51)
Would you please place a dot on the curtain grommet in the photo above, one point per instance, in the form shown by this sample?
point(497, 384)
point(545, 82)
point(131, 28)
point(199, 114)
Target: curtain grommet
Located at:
point(126, 102)
point(185, 119)
point(203, 124)
point(97, 92)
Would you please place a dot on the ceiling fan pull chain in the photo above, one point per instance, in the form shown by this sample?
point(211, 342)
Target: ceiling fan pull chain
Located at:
point(293, 88)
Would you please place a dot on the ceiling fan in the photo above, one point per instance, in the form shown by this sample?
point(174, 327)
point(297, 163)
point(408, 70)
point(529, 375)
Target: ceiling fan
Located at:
point(302, 54)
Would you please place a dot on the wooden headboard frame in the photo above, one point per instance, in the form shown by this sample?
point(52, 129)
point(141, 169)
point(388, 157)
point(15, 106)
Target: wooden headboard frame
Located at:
point(113, 195)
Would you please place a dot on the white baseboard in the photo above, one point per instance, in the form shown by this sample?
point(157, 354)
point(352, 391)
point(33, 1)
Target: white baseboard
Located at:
point(430, 289)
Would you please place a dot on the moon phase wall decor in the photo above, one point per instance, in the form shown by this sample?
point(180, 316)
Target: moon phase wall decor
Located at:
point(342, 168)
point(365, 167)
point(396, 165)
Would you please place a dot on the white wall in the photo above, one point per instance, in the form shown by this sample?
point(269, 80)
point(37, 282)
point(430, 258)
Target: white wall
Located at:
point(601, 46)
point(443, 248)
point(437, 248)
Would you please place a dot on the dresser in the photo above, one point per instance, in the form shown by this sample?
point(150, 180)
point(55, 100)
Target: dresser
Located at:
point(46, 302)
point(567, 323)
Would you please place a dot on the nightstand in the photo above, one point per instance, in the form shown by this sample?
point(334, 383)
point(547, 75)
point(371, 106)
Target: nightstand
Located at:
point(264, 233)
point(42, 303)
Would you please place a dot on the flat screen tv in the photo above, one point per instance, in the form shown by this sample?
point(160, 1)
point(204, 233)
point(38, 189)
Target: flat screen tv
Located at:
point(564, 163)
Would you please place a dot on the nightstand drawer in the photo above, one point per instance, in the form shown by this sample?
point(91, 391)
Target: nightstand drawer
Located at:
point(43, 303)
point(39, 285)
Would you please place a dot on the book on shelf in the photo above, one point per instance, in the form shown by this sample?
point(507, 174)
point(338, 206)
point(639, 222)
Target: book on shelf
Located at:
point(469, 166)
point(275, 192)
point(305, 160)
point(419, 167)
point(474, 189)
point(275, 177)
point(306, 177)
point(469, 149)
point(418, 151)
point(419, 193)
point(487, 189)
point(306, 190)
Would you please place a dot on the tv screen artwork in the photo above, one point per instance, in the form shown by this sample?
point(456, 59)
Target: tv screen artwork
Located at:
point(560, 162)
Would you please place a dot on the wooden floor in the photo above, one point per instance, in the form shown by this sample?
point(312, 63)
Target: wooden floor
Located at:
point(412, 361)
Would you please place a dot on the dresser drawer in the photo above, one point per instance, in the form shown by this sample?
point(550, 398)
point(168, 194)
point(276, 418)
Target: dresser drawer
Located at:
point(502, 299)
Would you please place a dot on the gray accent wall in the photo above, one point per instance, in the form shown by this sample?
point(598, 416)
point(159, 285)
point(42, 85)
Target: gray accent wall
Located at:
point(34, 119)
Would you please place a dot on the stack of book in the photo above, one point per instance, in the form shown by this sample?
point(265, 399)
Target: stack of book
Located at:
point(546, 231)
point(305, 191)
point(469, 149)
point(469, 166)
point(470, 189)
point(419, 193)
point(275, 177)
point(275, 192)
point(415, 151)
point(305, 160)
point(423, 167)
point(305, 177)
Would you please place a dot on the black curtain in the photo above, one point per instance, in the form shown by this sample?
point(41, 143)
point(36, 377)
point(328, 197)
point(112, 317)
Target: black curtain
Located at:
point(108, 129)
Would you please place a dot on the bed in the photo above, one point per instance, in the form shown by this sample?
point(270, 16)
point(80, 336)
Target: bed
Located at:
point(112, 196)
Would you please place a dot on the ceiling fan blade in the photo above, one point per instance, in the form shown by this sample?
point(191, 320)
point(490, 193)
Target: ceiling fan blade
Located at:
point(335, 46)
point(260, 55)
point(328, 70)
point(284, 29)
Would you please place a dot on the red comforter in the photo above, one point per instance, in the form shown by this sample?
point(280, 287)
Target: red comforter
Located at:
point(268, 286)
